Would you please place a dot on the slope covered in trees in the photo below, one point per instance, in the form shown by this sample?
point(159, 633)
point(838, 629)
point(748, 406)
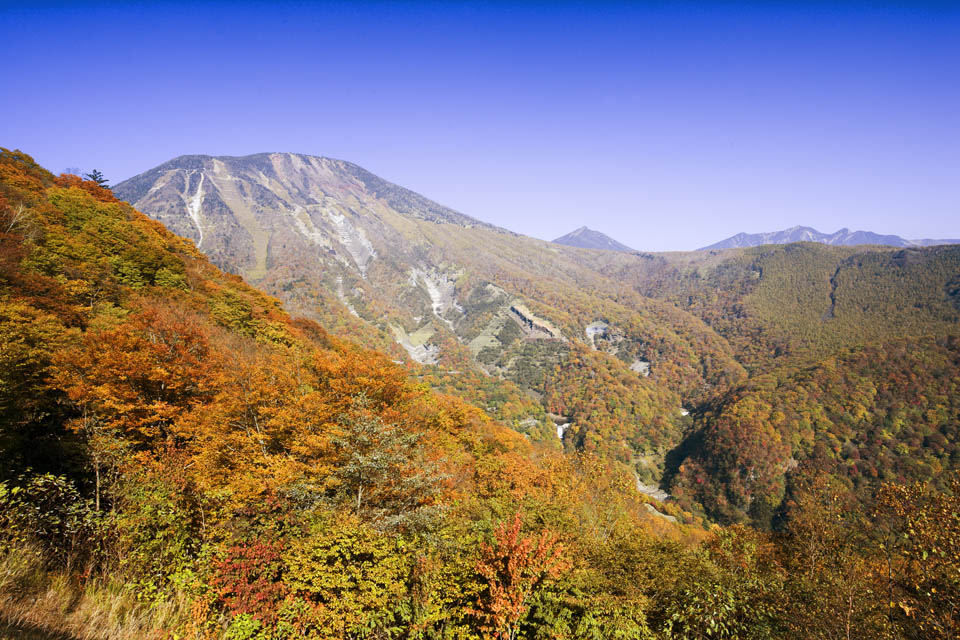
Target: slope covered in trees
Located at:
point(801, 302)
point(384, 265)
point(851, 352)
point(184, 459)
point(871, 414)
point(169, 426)
point(617, 345)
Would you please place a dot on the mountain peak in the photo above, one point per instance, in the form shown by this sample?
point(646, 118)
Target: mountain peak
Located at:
point(304, 179)
point(587, 238)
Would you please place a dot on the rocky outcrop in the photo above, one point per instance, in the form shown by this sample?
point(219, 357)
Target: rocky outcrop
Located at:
point(535, 328)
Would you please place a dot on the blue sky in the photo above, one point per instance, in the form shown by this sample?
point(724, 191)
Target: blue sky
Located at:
point(667, 125)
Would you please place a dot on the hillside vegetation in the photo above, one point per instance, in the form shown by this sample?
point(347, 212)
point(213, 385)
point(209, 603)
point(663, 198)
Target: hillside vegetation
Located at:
point(382, 265)
point(851, 352)
point(186, 460)
point(183, 456)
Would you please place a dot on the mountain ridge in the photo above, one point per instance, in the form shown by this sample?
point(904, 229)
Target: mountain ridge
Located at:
point(842, 237)
point(136, 187)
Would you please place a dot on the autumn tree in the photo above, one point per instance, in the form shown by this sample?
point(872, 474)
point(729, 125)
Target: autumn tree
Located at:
point(382, 474)
point(29, 338)
point(732, 587)
point(513, 568)
point(837, 586)
point(925, 570)
point(349, 580)
point(131, 383)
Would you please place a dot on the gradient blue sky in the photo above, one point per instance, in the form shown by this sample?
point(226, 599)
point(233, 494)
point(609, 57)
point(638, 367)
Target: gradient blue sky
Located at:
point(666, 125)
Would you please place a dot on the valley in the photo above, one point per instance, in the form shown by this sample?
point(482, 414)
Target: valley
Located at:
point(387, 321)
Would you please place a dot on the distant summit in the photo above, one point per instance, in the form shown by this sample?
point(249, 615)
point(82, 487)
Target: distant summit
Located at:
point(585, 238)
point(843, 237)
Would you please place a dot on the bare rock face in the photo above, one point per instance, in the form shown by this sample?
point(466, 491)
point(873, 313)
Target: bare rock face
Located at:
point(313, 231)
point(239, 209)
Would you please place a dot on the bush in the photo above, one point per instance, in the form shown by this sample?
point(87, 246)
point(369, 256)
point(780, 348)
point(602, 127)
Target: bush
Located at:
point(48, 512)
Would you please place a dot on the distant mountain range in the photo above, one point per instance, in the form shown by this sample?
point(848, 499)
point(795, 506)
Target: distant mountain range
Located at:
point(585, 238)
point(843, 237)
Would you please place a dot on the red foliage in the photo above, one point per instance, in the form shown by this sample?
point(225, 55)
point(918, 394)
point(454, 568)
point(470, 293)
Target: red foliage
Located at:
point(248, 579)
point(513, 568)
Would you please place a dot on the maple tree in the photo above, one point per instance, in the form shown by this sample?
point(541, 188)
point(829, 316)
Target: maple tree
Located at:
point(513, 568)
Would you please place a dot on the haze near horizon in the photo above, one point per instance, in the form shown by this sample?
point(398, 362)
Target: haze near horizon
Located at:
point(668, 126)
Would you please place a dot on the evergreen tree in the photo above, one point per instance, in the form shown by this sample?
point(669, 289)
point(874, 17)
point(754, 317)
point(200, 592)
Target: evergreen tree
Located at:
point(97, 177)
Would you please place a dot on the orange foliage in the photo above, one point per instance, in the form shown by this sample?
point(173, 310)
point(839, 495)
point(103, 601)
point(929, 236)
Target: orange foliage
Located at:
point(514, 567)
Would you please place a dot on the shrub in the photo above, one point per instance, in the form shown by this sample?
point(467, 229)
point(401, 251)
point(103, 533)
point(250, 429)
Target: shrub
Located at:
point(47, 511)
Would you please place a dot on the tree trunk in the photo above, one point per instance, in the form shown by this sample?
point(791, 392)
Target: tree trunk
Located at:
point(96, 472)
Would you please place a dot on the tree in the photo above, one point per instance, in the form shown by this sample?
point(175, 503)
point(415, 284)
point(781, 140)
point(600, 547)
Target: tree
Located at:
point(131, 384)
point(382, 475)
point(352, 577)
point(97, 177)
point(732, 587)
point(514, 568)
point(29, 337)
point(925, 571)
point(837, 586)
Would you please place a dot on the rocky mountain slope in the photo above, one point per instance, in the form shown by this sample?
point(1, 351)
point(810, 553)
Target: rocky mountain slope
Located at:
point(586, 238)
point(843, 237)
point(530, 320)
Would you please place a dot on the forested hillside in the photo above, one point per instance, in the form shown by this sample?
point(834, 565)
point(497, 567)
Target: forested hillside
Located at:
point(178, 445)
point(186, 460)
point(852, 356)
point(884, 412)
point(800, 302)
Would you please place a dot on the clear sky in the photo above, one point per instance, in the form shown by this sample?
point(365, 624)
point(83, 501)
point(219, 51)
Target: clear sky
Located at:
point(667, 125)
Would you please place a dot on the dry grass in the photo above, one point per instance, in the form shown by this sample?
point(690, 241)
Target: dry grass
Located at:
point(27, 632)
point(41, 605)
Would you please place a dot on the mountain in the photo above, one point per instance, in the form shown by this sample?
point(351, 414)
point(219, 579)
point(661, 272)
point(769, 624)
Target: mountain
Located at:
point(521, 318)
point(928, 242)
point(644, 359)
point(226, 197)
point(164, 426)
point(843, 237)
point(585, 238)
